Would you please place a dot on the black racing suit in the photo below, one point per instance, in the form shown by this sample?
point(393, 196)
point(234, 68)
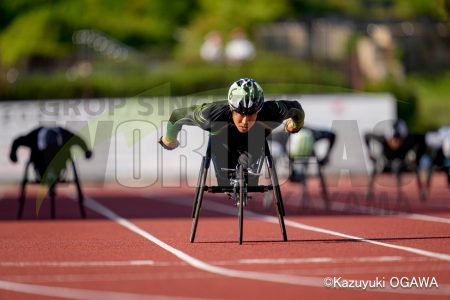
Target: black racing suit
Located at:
point(50, 149)
point(227, 143)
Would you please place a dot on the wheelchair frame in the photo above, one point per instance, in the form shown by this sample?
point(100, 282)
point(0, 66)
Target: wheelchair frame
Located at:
point(397, 173)
point(304, 162)
point(52, 191)
point(240, 187)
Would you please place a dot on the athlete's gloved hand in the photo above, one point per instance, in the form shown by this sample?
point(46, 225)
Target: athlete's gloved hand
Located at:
point(291, 126)
point(13, 157)
point(88, 154)
point(323, 161)
point(245, 159)
point(168, 145)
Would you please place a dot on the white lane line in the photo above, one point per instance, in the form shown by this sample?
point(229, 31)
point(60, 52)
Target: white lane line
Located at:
point(247, 261)
point(227, 209)
point(425, 218)
point(71, 264)
point(441, 256)
point(321, 260)
point(81, 294)
point(397, 270)
point(316, 260)
point(327, 271)
point(390, 213)
point(262, 276)
point(119, 277)
point(277, 261)
point(170, 275)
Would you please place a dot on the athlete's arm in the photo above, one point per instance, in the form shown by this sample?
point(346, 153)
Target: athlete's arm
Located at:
point(71, 139)
point(25, 140)
point(330, 137)
point(20, 141)
point(368, 137)
point(194, 115)
point(293, 112)
point(417, 143)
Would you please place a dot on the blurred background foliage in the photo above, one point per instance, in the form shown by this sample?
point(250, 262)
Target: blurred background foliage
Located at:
point(121, 48)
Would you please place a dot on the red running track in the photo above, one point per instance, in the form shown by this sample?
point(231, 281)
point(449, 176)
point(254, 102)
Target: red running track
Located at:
point(134, 245)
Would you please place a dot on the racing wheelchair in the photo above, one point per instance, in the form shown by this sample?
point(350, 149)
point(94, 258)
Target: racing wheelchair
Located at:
point(239, 188)
point(397, 166)
point(62, 178)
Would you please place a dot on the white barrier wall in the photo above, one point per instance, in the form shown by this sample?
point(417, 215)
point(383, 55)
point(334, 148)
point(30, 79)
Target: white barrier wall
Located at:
point(124, 133)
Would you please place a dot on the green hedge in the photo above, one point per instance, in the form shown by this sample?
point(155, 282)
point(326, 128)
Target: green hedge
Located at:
point(182, 79)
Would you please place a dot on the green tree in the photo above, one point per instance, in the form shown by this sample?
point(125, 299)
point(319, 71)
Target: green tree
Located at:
point(45, 27)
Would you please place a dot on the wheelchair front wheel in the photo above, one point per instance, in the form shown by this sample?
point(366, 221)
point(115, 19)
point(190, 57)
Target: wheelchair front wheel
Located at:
point(241, 203)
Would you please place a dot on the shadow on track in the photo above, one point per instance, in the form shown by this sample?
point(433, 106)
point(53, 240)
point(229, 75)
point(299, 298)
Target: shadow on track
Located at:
point(329, 240)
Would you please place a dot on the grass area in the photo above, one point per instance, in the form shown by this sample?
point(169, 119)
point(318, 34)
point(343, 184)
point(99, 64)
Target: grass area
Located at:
point(433, 95)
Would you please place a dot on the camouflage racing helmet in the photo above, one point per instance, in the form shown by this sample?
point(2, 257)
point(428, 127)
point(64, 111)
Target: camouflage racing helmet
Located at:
point(246, 96)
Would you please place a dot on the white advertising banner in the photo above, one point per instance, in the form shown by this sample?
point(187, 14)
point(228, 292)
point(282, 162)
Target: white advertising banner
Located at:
point(124, 133)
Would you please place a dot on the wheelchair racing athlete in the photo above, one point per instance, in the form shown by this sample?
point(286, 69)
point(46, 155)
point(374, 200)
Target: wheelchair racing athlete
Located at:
point(46, 144)
point(396, 145)
point(438, 143)
point(238, 127)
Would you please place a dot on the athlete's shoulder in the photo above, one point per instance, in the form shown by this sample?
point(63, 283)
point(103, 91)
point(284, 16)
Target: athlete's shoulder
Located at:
point(33, 135)
point(270, 105)
point(279, 107)
point(270, 112)
point(216, 111)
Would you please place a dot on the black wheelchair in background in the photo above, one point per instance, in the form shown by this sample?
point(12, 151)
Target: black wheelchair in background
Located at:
point(62, 178)
point(397, 167)
point(239, 188)
point(299, 172)
point(302, 154)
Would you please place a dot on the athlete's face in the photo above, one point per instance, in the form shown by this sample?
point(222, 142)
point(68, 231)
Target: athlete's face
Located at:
point(395, 143)
point(244, 122)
